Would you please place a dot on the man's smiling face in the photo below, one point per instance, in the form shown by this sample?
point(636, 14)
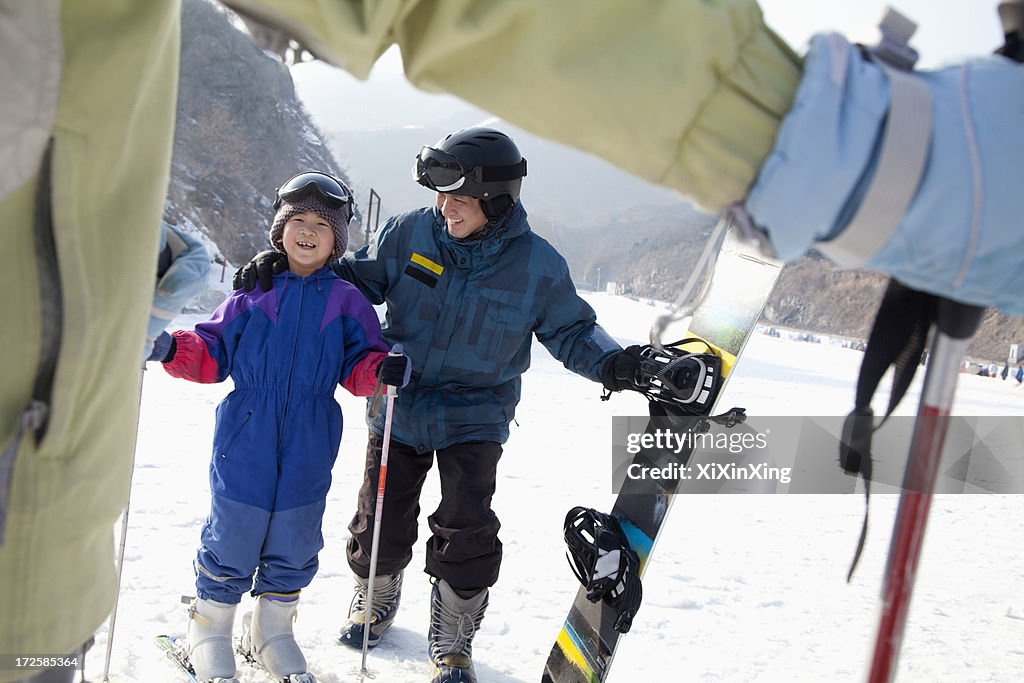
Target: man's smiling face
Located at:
point(463, 215)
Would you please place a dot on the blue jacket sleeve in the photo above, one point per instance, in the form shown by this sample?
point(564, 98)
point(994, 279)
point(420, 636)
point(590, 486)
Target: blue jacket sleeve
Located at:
point(362, 337)
point(371, 267)
point(183, 280)
point(568, 329)
point(222, 331)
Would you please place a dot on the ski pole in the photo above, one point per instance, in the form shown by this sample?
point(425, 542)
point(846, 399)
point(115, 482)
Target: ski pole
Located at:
point(124, 537)
point(697, 285)
point(378, 511)
point(955, 324)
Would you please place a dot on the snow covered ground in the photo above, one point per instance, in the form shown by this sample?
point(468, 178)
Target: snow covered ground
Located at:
point(741, 587)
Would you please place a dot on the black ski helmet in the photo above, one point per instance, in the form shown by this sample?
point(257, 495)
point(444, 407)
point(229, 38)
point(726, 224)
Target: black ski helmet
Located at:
point(474, 162)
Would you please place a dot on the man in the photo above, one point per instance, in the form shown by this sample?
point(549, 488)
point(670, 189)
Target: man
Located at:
point(693, 95)
point(467, 285)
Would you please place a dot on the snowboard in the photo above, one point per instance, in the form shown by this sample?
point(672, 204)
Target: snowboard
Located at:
point(741, 282)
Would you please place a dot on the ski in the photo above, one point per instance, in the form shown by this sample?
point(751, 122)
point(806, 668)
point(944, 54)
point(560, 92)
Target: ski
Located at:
point(735, 293)
point(171, 646)
point(251, 660)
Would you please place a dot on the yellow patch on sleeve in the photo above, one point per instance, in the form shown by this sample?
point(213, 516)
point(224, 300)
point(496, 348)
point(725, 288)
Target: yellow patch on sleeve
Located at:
point(426, 263)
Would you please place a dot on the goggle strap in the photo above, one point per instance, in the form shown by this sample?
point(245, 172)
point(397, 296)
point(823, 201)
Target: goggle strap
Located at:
point(307, 189)
point(490, 174)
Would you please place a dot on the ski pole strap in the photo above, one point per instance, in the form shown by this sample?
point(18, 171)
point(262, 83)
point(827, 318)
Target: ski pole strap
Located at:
point(373, 407)
point(1011, 15)
point(855, 458)
point(897, 340)
point(603, 561)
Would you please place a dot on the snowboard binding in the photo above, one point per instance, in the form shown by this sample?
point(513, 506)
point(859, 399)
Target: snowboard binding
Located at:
point(685, 380)
point(603, 561)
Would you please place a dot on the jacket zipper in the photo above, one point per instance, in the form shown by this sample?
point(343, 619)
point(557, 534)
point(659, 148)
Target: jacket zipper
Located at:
point(35, 416)
point(295, 343)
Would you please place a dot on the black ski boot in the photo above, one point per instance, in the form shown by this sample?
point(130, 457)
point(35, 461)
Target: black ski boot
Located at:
point(387, 594)
point(453, 623)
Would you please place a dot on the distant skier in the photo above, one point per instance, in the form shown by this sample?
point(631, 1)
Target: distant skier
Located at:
point(277, 433)
point(1020, 374)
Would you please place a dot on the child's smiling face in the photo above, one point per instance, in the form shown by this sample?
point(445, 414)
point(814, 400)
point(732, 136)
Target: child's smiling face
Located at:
point(308, 240)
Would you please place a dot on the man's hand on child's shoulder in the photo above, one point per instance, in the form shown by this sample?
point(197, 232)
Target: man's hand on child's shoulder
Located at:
point(260, 270)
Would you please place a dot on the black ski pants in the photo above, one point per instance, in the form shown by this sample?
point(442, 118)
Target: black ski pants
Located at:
point(463, 549)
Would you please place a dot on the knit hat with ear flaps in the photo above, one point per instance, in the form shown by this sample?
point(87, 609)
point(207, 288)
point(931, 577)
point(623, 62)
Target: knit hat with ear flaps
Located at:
point(338, 218)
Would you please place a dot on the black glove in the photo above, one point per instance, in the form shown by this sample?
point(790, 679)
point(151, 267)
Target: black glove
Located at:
point(261, 269)
point(164, 348)
point(395, 370)
point(620, 370)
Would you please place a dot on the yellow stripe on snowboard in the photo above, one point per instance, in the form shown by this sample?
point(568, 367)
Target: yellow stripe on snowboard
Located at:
point(575, 656)
point(728, 360)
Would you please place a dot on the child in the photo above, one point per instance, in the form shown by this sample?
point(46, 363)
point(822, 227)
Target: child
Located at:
point(277, 433)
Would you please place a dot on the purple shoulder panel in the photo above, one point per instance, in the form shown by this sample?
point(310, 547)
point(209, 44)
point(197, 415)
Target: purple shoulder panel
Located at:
point(237, 303)
point(347, 301)
point(265, 301)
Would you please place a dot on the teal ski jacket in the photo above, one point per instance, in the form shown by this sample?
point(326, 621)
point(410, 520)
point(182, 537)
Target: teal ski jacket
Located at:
point(465, 311)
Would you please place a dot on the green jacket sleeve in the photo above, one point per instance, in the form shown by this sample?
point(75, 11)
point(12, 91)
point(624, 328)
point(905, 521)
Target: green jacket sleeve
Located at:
point(685, 93)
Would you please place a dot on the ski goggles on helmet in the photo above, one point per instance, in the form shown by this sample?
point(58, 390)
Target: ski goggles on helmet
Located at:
point(330, 189)
point(443, 172)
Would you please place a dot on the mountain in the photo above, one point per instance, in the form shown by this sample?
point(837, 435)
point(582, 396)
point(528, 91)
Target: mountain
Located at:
point(649, 251)
point(379, 126)
point(240, 132)
point(242, 129)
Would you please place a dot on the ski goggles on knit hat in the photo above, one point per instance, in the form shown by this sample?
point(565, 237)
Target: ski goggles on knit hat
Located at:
point(442, 172)
point(320, 193)
point(328, 188)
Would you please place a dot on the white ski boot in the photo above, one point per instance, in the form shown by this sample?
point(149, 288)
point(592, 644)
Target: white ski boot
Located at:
point(208, 643)
point(454, 621)
point(268, 640)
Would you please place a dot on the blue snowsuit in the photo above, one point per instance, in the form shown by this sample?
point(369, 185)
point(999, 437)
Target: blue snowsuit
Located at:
point(277, 433)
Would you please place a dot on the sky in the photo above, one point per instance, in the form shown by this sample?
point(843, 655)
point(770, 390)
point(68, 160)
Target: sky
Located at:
point(947, 29)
